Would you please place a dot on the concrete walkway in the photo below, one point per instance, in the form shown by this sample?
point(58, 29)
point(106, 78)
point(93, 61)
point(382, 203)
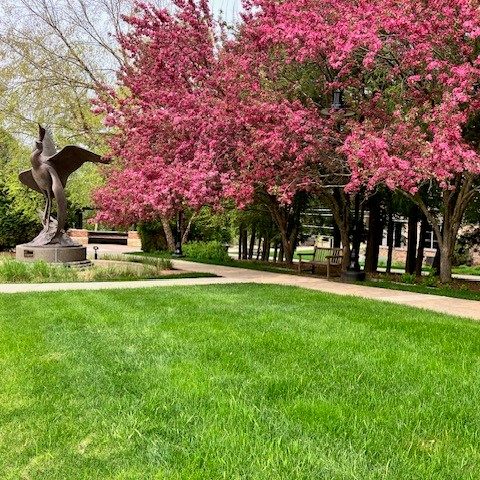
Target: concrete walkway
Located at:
point(232, 275)
point(119, 249)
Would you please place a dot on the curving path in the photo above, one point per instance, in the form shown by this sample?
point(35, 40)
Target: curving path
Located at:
point(231, 275)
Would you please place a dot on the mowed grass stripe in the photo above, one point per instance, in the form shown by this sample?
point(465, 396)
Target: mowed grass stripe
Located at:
point(234, 381)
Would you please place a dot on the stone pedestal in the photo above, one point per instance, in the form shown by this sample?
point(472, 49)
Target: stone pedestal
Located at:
point(52, 254)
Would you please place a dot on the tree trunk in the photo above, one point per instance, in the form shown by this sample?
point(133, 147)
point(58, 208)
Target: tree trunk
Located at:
point(358, 231)
point(454, 202)
point(412, 241)
point(436, 262)
point(259, 247)
point(167, 228)
point(240, 242)
point(446, 253)
point(266, 249)
point(186, 232)
point(288, 251)
point(337, 239)
point(252, 243)
point(340, 205)
point(275, 252)
point(245, 245)
point(287, 219)
point(374, 233)
point(346, 248)
point(390, 229)
point(280, 253)
point(421, 247)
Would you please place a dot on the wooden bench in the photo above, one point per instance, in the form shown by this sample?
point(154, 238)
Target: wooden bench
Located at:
point(331, 258)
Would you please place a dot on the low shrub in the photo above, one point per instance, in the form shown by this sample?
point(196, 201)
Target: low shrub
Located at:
point(462, 255)
point(408, 278)
point(102, 274)
point(207, 251)
point(430, 280)
point(13, 271)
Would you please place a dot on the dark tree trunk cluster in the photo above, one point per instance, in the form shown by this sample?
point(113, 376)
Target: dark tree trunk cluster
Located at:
point(260, 247)
point(386, 212)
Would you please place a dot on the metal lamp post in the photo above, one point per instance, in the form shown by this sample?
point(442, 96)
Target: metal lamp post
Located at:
point(353, 272)
point(337, 103)
point(178, 240)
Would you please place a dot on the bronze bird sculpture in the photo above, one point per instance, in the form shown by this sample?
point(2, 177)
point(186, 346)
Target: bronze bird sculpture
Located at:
point(48, 175)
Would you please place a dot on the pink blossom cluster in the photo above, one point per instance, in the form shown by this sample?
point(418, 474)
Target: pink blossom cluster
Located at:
point(156, 114)
point(415, 68)
point(198, 119)
point(194, 124)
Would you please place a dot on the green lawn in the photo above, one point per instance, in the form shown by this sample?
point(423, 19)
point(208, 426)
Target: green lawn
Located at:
point(466, 270)
point(234, 382)
point(454, 290)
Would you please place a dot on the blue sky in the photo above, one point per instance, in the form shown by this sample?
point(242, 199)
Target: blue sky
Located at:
point(230, 8)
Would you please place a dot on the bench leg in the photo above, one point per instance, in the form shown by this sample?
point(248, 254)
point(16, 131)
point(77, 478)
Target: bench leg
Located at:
point(328, 270)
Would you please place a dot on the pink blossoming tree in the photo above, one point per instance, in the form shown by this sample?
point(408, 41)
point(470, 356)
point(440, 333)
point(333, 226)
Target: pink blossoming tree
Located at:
point(270, 145)
point(196, 124)
point(412, 70)
point(156, 114)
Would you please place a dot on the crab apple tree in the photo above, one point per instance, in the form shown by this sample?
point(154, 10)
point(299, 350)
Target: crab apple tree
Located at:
point(413, 69)
point(419, 130)
point(155, 114)
point(196, 123)
point(271, 142)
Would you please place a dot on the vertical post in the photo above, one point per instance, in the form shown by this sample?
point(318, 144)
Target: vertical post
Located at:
point(178, 233)
point(354, 264)
point(412, 237)
point(353, 272)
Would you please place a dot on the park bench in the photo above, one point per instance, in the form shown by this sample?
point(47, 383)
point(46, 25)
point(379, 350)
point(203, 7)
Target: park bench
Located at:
point(330, 258)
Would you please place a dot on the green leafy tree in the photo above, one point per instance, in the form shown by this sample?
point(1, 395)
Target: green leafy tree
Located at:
point(18, 207)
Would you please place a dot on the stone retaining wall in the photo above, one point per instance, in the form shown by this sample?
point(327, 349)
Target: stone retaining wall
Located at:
point(81, 237)
point(134, 239)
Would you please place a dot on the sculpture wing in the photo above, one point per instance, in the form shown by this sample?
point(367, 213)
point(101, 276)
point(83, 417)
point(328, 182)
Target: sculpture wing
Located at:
point(49, 148)
point(27, 179)
point(70, 158)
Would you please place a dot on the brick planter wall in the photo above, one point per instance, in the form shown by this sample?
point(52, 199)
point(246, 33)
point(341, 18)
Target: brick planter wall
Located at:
point(134, 239)
point(80, 236)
